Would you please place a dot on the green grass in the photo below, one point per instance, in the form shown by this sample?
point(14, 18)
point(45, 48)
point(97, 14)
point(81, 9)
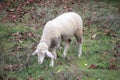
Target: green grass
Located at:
point(18, 41)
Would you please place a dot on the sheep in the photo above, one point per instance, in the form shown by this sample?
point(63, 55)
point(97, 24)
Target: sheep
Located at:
point(62, 28)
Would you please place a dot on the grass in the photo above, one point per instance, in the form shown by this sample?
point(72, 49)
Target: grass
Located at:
point(18, 41)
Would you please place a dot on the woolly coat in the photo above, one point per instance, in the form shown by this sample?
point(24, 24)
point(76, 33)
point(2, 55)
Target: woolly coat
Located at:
point(62, 27)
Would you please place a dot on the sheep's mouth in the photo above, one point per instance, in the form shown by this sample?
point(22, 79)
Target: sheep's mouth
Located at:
point(40, 62)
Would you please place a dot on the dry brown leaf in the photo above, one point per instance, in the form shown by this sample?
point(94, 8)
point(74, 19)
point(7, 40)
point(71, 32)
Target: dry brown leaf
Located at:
point(30, 78)
point(93, 66)
point(112, 60)
point(93, 36)
point(94, 13)
point(113, 67)
point(107, 31)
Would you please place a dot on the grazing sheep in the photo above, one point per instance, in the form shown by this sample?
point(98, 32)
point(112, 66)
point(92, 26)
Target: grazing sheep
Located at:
point(63, 27)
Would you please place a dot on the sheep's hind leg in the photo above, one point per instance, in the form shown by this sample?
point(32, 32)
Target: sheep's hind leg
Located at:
point(80, 50)
point(78, 36)
point(66, 48)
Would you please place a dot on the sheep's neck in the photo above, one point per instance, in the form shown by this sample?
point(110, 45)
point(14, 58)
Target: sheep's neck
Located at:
point(47, 43)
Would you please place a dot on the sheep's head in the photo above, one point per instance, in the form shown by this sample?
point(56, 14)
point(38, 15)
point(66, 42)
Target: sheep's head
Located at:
point(41, 55)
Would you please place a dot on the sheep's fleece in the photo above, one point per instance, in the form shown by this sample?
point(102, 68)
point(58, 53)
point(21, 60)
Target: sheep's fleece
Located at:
point(62, 28)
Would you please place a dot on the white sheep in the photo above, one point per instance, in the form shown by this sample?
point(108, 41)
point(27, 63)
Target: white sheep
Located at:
point(63, 27)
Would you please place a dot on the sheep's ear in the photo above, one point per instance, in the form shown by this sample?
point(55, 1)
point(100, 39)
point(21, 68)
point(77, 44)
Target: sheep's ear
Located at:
point(49, 54)
point(35, 52)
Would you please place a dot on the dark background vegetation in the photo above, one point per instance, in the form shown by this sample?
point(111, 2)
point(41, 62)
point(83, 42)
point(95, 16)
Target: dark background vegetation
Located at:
point(21, 24)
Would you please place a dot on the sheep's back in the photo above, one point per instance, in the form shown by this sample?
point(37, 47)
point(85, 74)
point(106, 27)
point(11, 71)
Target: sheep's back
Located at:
point(65, 24)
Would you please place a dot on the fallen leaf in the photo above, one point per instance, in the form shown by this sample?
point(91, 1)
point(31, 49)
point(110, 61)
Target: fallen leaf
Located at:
point(12, 10)
point(93, 36)
point(93, 66)
point(94, 13)
point(13, 16)
point(12, 54)
point(12, 67)
point(30, 78)
point(107, 31)
point(114, 35)
point(9, 67)
point(11, 78)
point(104, 54)
point(112, 60)
point(1, 78)
point(113, 67)
point(41, 78)
point(79, 78)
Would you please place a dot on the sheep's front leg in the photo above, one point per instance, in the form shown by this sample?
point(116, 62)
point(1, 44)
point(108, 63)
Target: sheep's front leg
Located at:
point(54, 53)
point(52, 62)
point(56, 47)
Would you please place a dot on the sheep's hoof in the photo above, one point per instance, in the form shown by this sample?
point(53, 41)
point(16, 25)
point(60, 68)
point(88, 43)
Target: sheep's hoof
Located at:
point(55, 58)
point(51, 65)
point(79, 55)
point(64, 56)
